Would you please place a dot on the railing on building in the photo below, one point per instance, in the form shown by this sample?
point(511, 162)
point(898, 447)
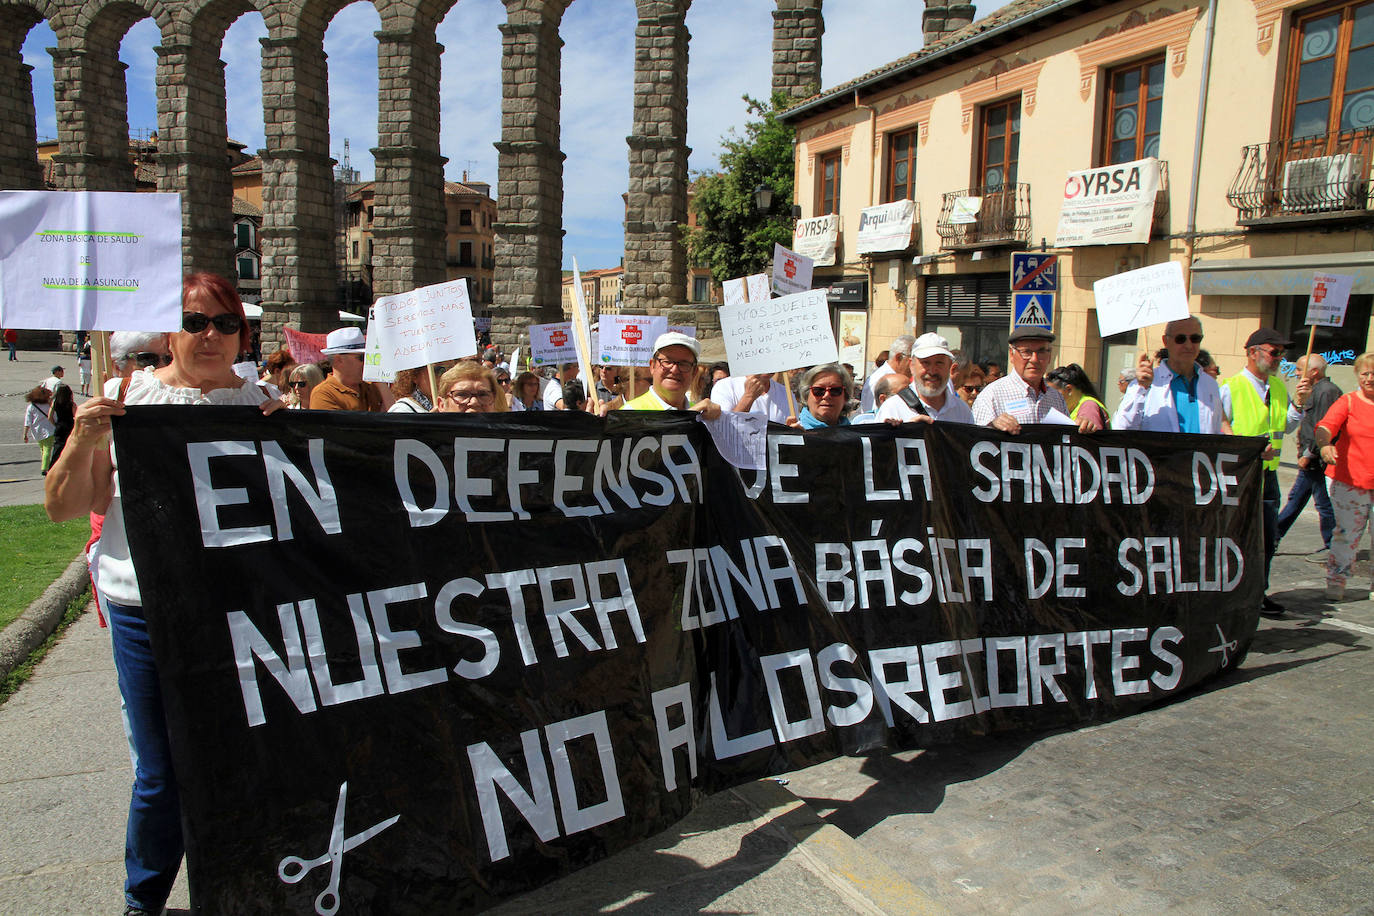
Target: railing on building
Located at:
point(1002, 220)
point(1325, 177)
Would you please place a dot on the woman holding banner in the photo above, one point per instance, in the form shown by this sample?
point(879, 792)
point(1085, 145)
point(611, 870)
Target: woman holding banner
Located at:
point(470, 387)
point(828, 389)
point(86, 479)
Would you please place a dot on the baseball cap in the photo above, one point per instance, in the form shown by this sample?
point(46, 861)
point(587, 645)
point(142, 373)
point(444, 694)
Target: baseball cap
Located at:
point(930, 344)
point(677, 339)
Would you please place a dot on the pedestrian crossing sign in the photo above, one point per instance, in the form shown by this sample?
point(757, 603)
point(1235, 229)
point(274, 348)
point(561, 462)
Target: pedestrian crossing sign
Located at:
point(1033, 310)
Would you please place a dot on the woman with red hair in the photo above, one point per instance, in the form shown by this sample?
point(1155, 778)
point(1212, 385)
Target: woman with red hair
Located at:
point(85, 479)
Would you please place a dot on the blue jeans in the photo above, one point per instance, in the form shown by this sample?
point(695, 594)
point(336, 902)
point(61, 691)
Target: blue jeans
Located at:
point(153, 843)
point(1309, 484)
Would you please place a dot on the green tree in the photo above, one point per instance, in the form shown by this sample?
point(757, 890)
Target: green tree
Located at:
point(730, 237)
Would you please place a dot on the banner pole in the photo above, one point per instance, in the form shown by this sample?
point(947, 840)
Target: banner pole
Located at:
point(433, 383)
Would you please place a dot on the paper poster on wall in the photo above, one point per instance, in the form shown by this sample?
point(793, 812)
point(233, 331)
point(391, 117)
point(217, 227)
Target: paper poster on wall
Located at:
point(853, 334)
point(1139, 298)
point(424, 326)
point(815, 238)
point(90, 261)
point(1330, 295)
point(791, 272)
point(779, 334)
point(551, 344)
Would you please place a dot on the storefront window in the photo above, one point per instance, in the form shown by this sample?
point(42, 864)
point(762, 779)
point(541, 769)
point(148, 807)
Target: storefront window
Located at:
point(972, 312)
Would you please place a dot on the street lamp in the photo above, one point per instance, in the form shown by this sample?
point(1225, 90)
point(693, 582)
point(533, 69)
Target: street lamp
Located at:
point(763, 199)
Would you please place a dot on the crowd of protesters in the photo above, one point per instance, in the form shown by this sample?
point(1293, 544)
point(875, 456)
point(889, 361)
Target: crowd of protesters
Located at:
point(916, 380)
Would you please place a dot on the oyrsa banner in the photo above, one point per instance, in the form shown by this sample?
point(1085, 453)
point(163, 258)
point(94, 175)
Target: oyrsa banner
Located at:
point(815, 238)
point(1113, 205)
point(886, 227)
point(422, 664)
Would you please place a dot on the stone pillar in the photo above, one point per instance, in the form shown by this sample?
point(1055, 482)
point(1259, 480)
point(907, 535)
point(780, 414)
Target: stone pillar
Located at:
point(192, 151)
point(941, 17)
point(19, 168)
point(797, 29)
point(410, 213)
point(92, 120)
point(655, 258)
point(298, 271)
point(529, 209)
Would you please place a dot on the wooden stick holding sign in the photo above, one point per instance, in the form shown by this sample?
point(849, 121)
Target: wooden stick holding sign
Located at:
point(433, 384)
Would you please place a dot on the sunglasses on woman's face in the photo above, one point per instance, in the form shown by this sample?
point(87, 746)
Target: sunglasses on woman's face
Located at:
point(300, 384)
point(152, 360)
point(820, 391)
point(226, 324)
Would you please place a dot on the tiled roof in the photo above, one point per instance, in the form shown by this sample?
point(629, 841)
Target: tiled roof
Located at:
point(244, 208)
point(249, 167)
point(969, 35)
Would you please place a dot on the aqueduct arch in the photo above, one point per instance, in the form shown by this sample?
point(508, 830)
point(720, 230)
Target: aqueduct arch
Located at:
point(298, 275)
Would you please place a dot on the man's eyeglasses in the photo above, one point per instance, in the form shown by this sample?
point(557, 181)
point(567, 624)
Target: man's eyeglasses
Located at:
point(1037, 353)
point(152, 360)
point(681, 365)
point(470, 395)
point(821, 391)
point(1185, 338)
point(226, 324)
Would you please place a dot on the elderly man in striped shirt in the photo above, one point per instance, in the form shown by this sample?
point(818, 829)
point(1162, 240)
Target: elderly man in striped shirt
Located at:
point(1021, 396)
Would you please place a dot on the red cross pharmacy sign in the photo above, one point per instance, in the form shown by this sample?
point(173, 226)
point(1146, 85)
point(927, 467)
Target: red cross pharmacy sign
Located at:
point(1330, 295)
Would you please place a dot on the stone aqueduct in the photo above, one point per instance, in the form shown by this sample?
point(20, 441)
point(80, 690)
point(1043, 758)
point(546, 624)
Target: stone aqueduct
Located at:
point(298, 243)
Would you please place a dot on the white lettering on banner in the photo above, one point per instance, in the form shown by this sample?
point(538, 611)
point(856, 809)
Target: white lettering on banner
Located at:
point(1156, 566)
point(955, 565)
point(599, 588)
point(1069, 474)
point(278, 469)
point(757, 575)
point(651, 470)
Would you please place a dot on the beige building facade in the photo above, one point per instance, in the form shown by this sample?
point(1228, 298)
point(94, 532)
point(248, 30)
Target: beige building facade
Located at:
point(1259, 113)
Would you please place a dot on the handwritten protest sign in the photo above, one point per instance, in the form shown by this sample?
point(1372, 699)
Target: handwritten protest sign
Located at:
point(753, 288)
point(304, 346)
point(551, 344)
point(90, 261)
point(1330, 295)
point(689, 329)
point(424, 326)
point(1139, 298)
point(778, 334)
point(791, 272)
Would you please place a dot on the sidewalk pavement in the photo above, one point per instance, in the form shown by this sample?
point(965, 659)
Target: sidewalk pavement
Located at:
point(1256, 793)
point(21, 483)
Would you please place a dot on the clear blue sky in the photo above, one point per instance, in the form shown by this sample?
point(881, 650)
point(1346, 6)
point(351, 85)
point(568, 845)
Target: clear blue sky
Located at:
point(730, 54)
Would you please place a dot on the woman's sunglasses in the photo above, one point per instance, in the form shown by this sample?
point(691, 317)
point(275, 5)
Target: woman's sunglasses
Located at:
point(820, 391)
point(195, 322)
point(152, 360)
point(300, 384)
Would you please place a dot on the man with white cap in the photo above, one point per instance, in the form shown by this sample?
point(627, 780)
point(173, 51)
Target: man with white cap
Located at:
point(344, 388)
point(929, 397)
point(673, 368)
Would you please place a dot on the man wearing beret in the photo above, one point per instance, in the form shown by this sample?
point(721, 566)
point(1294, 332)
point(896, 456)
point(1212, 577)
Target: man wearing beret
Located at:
point(1021, 396)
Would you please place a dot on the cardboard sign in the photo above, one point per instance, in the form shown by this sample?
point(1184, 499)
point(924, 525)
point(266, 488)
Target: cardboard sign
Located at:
point(628, 340)
point(779, 334)
point(551, 344)
point(1330, 295)
point(424, 326)
point(90, 261)
point(791, 272)
point(815, 238)
point(1113, 205)
point(1139, 298)
point(753, 288)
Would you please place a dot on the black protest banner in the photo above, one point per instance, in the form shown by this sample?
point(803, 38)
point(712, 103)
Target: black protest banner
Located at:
point(419, 664)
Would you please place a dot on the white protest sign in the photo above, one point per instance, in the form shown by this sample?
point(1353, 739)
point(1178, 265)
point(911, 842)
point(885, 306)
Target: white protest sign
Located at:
point(758, 287)
point(90, 261)
point(424, 326)
point(551, 344)
point(582, 334)
point(1137, 298)
point(689, 329)
point(791, 272)
point(779, 334)
point(752, 288)
point(1330, 295)
point(964, 211)
point(628, 340)
point(372, 354)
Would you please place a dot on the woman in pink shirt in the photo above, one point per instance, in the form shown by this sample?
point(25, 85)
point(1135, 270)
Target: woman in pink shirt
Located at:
point(1345, 441)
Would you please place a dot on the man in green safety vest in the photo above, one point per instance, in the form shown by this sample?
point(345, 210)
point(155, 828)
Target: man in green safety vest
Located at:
point(1255, 402)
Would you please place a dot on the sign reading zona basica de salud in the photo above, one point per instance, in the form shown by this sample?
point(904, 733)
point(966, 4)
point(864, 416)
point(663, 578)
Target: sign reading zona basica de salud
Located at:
point(461, 656)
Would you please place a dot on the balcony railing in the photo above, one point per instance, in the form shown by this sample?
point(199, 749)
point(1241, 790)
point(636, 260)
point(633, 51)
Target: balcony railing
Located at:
point(1002, 218)
point(1311, 178)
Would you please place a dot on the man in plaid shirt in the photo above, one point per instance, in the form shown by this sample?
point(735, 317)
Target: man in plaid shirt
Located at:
point(1021, 396)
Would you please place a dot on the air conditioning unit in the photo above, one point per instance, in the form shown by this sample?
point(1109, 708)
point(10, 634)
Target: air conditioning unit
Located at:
point(1324, 183)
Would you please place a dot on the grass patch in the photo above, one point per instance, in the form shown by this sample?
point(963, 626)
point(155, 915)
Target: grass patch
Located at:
point(33, 553)
point(24, 670)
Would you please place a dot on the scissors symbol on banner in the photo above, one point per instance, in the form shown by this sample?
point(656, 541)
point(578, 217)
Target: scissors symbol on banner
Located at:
point(1225, 647)
point(293, 868)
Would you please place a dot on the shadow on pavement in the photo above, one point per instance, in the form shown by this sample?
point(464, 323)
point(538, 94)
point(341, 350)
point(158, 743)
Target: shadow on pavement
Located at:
point(917, 786)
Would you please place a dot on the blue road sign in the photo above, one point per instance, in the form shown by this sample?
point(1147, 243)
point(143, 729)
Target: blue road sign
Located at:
point(1033, 310)
point(1035, 272)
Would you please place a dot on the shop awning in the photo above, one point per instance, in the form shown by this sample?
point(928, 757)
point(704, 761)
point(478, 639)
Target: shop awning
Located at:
point(1289, 275)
